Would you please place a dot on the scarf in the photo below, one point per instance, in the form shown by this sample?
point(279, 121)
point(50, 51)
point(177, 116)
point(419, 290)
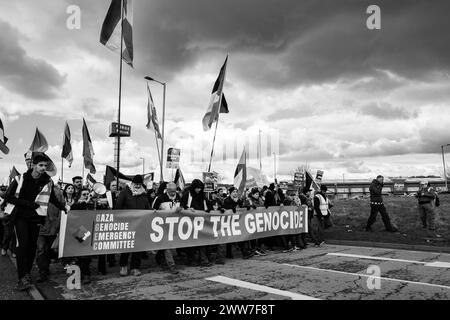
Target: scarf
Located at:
point(137, 191)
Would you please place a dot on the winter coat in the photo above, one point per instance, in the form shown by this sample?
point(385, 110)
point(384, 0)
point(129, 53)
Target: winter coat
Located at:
point(25, 205)
point(376, 189)
point(426, 195)
point(126, 200)
point(198, 199)
point(230, 204)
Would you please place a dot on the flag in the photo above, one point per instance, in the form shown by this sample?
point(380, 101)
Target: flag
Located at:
point(3, 139)
point(179, 179)
point(111, 175)
point(110, 35)
point(39, 143)
point(152, 119)
point(67, 147)
point(88, 150)
point(90, 180)
point(212, 114)
point(310, 182)
point(240, 174)
point(14, 173)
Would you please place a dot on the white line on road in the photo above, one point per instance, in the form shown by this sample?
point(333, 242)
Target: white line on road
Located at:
point(258, 287)
point(367, 275)
point(437, 264)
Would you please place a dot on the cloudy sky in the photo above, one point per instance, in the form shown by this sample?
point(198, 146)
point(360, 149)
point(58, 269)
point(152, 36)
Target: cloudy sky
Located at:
point(323, 88)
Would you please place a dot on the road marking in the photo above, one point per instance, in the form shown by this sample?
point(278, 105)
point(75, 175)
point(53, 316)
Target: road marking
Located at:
point(258, 287)
point(367, 275)
point(437, 264)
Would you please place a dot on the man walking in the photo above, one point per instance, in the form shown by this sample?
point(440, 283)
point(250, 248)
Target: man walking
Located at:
point(376, 205)
point(321, 207)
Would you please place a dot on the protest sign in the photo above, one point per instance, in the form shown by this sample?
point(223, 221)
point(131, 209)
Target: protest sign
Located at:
point(210, 181)
point(319, 175)
point(85, 233)
point(173, 158)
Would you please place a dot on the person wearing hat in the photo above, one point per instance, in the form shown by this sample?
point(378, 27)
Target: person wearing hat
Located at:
point(133, 197)
point(426, 198)
point(28, 201)
point(377, 205)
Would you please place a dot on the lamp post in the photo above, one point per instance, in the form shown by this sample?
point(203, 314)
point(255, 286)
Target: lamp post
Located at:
point(260, 154)
point(443, 162)
point(163, 120)
point(143, 165)
point(274, 166)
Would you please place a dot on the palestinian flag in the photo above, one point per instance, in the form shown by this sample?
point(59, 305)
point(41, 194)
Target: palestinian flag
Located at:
point(179, 179)
point(13, 174)
point(3, 139)
point(240, 175)
point(39, 143)
point(67, 147)
point(217, 102)
point(152, 119)
point(88, 150)
point(310, 182)
point(120, 13)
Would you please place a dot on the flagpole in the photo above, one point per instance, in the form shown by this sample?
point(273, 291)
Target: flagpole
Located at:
point(218, 113)
point(157, 148)
point(62, 170)
point(120, 92)
point(214, 139)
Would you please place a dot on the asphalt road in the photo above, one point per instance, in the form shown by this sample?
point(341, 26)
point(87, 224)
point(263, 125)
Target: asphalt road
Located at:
point(331, 272)
point(8, 281)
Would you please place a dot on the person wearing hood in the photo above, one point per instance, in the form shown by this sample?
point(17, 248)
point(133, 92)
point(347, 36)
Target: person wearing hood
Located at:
point(28, 201)
point(377, 205)
point(133, 197)
point(195, 199)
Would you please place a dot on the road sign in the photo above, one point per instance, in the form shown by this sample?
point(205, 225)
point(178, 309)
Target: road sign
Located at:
point(125, 130)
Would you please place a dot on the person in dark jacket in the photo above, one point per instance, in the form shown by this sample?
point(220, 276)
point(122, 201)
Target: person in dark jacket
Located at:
point(168, 201)
point(195, 199)
point(232, 202)
point(84, 202)
point(25, 217)
point(377, 205)
point(426, 198)
point(134, 197)
point(47, 235)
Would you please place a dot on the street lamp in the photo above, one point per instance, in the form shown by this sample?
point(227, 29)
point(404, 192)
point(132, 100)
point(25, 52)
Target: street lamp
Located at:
point(443, 162)
point(163, 120)
point(143, 165)
point(275, 166)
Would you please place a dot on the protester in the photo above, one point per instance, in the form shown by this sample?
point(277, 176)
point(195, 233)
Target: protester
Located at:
point(47, 235)
point(254, 201)
point(427, 198)
point(321, 209)
point(305, 200)
point(69, 194)
point(231, 203)
point(29, 196)
point(376, 205)
point(195, 199)
point(168, 201)
point(78, 185)
point(134, 197)
point(84, 202)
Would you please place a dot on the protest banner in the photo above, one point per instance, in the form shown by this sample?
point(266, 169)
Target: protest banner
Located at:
point(85, 233)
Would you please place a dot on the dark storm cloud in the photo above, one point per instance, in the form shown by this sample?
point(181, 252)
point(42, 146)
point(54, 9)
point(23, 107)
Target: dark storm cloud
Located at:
point(290, 42)
point(23, 74)
point(386, 111)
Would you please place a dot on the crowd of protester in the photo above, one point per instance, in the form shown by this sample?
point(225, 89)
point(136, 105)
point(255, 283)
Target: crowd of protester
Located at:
point(35, 204)
point(33, 238)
